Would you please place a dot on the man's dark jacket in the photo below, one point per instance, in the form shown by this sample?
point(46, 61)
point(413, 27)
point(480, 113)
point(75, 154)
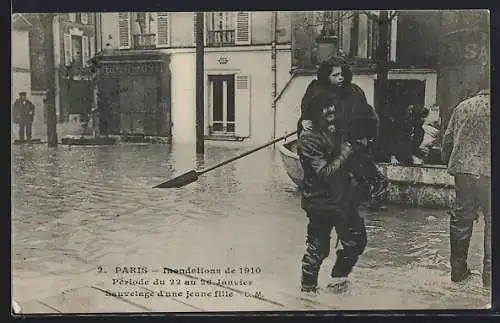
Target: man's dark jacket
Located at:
point(327, 187)
point(23, 113)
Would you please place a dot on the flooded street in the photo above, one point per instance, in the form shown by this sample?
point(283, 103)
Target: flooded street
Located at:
point(76, 209)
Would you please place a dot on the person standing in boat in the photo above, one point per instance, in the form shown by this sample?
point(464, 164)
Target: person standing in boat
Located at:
point(330, 195)
point(359, 119)
point(466, 149)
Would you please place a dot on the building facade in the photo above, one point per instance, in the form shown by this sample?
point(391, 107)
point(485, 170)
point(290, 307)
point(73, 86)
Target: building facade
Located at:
point(355, 35)
point(73, 45)
point(453, 42)
point(21, 70)
point(257, 67)
point(21, 64)
point(239, 72)
point(60, 46)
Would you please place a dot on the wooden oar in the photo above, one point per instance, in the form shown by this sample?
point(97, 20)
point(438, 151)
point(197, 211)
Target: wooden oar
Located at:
point(192, 175)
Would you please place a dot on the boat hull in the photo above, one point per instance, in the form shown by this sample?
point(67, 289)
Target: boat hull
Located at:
point(415, 186)
point(291, 162)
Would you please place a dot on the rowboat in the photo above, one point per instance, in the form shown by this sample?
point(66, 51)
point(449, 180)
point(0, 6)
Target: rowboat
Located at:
point(414, 186)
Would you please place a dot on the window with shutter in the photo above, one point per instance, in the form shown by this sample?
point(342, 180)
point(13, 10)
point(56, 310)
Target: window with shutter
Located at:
point(67, 50)
point(72, 16)
point(85, 50)
point(242, 106)
point(220, 28)
point(124, 27)
point(243, 28)
point(84, 18)
point(162, 29)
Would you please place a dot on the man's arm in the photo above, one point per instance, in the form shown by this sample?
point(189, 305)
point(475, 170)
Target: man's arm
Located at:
point(310, 149)
point(31, 108)
point(447, 142)
point(15, 111)
point(359, 94)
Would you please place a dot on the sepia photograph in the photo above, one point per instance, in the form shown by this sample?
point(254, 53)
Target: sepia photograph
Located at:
point(264, 161)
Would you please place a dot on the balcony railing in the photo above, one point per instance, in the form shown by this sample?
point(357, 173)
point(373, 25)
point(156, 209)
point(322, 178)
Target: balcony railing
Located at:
point(220, 37)
point(144, 41)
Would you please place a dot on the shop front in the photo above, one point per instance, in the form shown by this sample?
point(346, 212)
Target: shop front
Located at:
point(133, 93)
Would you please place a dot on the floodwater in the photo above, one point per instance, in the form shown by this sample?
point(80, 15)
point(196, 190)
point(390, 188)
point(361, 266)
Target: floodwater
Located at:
point(75, 209)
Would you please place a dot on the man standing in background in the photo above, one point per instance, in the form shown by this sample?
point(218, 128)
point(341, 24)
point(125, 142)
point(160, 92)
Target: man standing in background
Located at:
point(467, 150)
point(24, 112)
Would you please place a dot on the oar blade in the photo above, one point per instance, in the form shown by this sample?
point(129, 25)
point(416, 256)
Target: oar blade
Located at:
point(180, 181)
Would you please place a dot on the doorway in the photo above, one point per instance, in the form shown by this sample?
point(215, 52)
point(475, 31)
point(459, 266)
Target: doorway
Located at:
point(138, 100)
point(221, 99)
point(403, 93)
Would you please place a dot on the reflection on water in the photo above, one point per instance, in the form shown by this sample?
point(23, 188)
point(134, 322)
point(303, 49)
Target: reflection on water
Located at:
point(75, 207)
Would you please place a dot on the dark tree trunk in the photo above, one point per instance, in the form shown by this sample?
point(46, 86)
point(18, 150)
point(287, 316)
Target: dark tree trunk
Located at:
point(49, 73)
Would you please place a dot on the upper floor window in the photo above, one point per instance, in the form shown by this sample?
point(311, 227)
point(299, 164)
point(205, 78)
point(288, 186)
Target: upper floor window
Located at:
point(221, 28)
point(79, 17)
point(84, 18)
point(144, 30)
point(78, 49)
point(226, 28)
point(354, 34)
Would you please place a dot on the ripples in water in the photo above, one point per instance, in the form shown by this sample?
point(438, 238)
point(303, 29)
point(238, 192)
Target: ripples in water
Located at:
point(77, 207)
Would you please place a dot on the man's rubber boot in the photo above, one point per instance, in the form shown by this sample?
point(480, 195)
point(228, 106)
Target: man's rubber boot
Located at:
point(309, 283)
point(460, 235)
point(343, 264)
point(337, 285)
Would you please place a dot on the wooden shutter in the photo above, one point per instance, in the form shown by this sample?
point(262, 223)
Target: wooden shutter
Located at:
point(124, 27)
point(153, 26)
point(195, 21)
point(92, 46)
point(85, 50)
point(204, 29)
point(67, 50)
point(162, 29)
point(72, 16)
point(243, 28)
point(242, 106)
point(393, 39)
point(84, 18)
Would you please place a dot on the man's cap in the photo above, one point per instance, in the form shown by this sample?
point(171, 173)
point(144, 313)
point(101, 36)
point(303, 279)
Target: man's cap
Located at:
point(22, 93)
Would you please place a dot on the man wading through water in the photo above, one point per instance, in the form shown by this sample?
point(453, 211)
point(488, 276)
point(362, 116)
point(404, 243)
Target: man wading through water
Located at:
point(358, 120)
point(331, 194)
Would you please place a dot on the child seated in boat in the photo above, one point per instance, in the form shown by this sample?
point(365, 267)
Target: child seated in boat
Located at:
point(359, 129)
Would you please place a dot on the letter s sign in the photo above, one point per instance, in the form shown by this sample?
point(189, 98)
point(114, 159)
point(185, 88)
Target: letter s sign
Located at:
point(470, 51)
